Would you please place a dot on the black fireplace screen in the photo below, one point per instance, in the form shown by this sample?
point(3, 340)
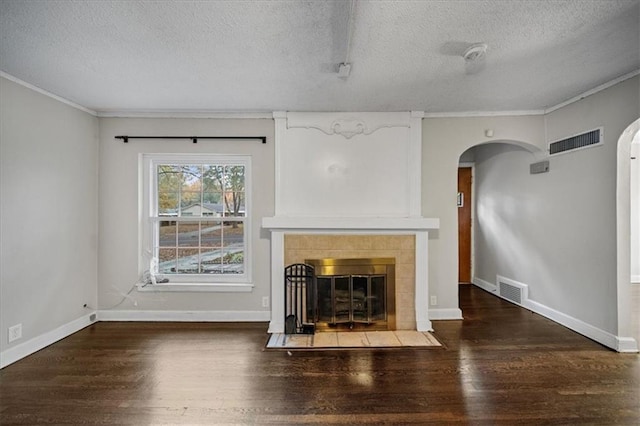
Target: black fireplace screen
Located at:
point(351, 299)
point(328, 293)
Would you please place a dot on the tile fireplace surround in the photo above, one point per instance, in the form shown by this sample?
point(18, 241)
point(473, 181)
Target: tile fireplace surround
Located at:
point(295, 239)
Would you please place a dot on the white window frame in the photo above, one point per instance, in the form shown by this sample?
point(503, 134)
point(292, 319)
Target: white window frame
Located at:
point(148, 220)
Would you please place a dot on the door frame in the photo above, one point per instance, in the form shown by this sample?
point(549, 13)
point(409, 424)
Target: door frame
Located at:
point(472, 165)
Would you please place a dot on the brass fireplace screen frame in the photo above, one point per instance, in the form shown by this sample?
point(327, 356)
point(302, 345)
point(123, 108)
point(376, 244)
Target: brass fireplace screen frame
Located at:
point(330, 267)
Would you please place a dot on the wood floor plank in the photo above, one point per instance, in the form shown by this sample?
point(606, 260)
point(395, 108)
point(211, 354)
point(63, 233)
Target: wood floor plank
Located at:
point(500, 365)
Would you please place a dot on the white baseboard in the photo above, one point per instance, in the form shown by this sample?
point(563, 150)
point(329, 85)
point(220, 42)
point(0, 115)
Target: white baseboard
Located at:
point(424, 325)
point(33, 345)
point(627, 344)
point(185, 316)
point(635, 279)
point(445, 314)
point(620, 344)
point(579, 326)
point(485, 285)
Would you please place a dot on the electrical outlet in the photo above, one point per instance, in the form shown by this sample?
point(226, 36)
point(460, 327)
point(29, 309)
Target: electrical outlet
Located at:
point(15, 332)
point(434, 300)
point(265, 302)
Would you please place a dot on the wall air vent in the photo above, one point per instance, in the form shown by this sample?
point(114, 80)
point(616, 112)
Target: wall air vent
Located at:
point(512, 291)
point(584, 140)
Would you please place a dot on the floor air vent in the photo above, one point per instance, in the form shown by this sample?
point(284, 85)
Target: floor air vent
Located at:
point(512, 290)
point(584, 140)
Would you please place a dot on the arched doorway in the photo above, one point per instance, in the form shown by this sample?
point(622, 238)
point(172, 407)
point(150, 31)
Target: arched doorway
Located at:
point(481, 201)
point(626, 309)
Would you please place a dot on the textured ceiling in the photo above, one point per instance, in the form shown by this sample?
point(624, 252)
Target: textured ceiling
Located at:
point(283, 55)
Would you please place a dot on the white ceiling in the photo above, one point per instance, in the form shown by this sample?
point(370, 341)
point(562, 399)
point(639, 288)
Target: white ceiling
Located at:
point(283, 55)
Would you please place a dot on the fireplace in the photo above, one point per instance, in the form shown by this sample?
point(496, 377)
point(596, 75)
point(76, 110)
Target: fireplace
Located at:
point(328, 200)
point(355, 293)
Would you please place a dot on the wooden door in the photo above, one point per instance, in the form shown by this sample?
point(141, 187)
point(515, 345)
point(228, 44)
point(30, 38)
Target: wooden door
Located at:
point(464, 224)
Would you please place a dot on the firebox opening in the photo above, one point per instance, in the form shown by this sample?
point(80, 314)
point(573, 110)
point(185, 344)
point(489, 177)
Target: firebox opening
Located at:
point(355, 293)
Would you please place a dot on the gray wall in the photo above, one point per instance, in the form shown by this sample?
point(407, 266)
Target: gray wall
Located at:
point(119, 196)
point(556, 232)
point(48, 212)
point(443, 142)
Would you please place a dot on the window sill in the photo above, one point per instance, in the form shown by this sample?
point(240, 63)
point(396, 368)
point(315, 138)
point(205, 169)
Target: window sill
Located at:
point(197, 287)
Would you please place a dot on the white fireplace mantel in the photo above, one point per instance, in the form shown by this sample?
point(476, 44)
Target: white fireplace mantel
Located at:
point(322, 224)
point(328, 181)
point(279, 226)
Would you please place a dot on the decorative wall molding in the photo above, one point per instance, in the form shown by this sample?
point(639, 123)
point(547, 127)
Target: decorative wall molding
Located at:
point(347, 125)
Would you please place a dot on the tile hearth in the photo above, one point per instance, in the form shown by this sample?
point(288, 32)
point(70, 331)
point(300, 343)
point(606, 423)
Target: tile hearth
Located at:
point(352, 339)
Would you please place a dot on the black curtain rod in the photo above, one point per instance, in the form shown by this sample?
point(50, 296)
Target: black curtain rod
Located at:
point(194, 139)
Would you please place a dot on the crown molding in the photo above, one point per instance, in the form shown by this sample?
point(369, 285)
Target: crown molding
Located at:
point(593, 91)
point(48, 94)
point(465, 114)
point(279, 114)
point(184, 114)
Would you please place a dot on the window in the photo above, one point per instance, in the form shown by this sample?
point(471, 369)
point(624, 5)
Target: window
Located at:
point(196, 218)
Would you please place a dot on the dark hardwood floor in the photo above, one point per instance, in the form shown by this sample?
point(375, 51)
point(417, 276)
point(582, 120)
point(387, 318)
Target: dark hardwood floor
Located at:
point(501, 365)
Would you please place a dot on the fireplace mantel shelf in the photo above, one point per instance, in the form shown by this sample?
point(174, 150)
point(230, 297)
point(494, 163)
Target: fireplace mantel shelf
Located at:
point(290, 223)
point(279, 226)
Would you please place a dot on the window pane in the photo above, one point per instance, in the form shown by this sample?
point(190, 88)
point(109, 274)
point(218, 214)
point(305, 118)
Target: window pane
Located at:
point(188, 261)
point(234, 190)
point(211, 261)
point(190, 204)
point(233, 250)
point(167, 261)
point(212, 205)
point(167, 234)
point(191, 178)
point(188, 234)
point(233, 233)
point(169, 182)
point(212, 178)
point(211, 234)
point(169, 178)
point(212, 197)
point(235, 204)
point(168, 203)
point(234, 178)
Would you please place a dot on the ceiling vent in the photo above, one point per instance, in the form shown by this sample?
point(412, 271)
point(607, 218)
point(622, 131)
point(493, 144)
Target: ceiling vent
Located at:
point(584, 140)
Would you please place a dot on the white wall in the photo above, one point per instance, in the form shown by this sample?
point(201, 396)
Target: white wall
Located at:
point(443, 142)
point(348, 164)
point(118, 250)
point(48, 214)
